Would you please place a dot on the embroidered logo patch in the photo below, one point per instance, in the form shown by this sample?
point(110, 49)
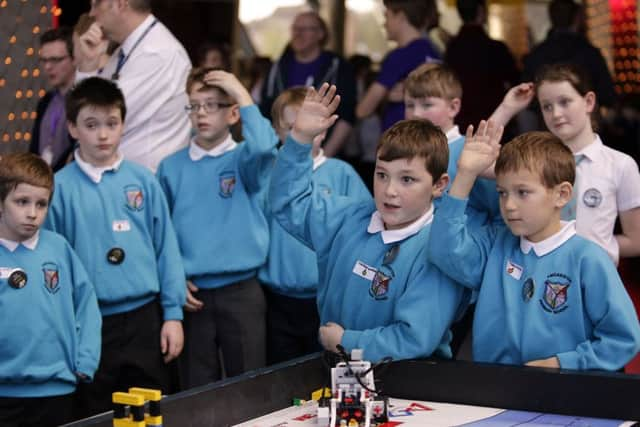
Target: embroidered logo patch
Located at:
point(592, 198)
point(227, 183)
point(134, 197)
point(556, 288)
point(380, 285)
point(514, 270)
point(51, 277)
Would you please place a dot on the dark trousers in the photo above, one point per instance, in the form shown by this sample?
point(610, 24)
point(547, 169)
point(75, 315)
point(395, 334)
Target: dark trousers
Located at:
point(35, 411)
point(131, 357)
point(231, 324)
point(292, 327)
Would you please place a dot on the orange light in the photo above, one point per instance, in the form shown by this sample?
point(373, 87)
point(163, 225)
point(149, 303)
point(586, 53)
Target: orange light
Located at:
point(57, 11)
point(18, 94)
point(24, 73)
point(11, 117)
point(43, 9)
point(24, 115)
point(30, 51)
point(27, 136)
point(42, 93)
point(7, 60)
point(3, 3)
point(12, 39)
point(2, 82)
point(33, 115)
point(6, 137)
point(36, 29)
point(29, 93)
point(17, 136)
point(36, 72)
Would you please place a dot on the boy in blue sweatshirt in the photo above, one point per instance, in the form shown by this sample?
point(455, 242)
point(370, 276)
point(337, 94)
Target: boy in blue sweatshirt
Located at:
point(48, 308)
point(216, 193)
point(376, 290)
point(114, 214)
point(547, 297)
point(290, 274)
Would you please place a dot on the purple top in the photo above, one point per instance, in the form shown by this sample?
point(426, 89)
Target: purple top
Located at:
point(301, 74)
point(53, 130)
point(395, 68)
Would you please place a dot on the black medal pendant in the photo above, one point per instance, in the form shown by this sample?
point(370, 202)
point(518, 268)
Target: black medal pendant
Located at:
point(115, 256)
point(18, 279)
point(528, 289)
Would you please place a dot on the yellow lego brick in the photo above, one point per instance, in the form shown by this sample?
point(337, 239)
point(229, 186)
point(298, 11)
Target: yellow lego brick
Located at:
point(153, 421)
point(127, 399)
point(127, 422)
point(147, 393)
point(317, 395)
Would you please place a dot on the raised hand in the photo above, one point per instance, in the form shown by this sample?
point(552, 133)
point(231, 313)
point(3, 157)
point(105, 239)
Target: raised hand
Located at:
point(316, 114)
point(481, 148)
point(91, 47)
point(231, 85)
point(516, 100)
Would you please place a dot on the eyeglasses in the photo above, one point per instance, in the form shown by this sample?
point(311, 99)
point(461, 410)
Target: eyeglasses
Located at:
point(209, 107)
point(52, 59)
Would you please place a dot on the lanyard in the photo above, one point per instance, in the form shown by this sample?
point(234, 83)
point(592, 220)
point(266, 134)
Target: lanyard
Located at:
point(122, 58)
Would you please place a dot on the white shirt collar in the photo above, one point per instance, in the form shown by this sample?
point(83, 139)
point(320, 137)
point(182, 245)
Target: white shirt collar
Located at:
point(30, 243)
point(453, 134)
point(132, 38)
point(95, 172)
point(197, 153)
point(319, 159)
point(376, 225)
point(592, 150)
point(550, 243)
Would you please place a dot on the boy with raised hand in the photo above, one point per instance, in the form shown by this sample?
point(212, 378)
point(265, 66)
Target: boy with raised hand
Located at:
point(433, 92)
point(216, 189)
point(377, 290)
point(48, 308)
point(547, 297)
point(114, 214)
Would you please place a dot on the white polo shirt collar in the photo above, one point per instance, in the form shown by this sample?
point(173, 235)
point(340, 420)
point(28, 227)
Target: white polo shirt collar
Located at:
point(95, 172)
point(30, 243)
point(376, 225)
point(453, 134)
point(551, 243)
point(319, 159)
point(198, 153)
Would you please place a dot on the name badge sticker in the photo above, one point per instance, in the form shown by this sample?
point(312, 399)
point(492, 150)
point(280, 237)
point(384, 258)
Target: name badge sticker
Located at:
point(363, 270)
point(5, 272)
point(514, 270)
point(122, 225)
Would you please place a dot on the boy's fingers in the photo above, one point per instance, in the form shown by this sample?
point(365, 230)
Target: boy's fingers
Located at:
point(322, 91)
point(329, 95)
point(333, 105)
point(469, 134)
point(482, 128)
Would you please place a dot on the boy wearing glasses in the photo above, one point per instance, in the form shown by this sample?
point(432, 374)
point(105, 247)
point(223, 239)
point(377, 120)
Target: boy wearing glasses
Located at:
point(377, 289)
point(216, 192)
point(114, 214)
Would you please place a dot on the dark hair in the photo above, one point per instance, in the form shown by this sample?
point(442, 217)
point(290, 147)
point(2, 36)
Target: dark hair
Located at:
point(541, 153)
point(468, 9)
point(221, 47)
point(23, 168)
point(416, 11)
point(416, 138)
point(561, 72)
point(97, 92)
point(563, 13)
point(63, 34)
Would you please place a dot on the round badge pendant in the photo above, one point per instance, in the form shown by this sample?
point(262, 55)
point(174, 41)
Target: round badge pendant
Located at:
point(115, 256)
point(18, 279)
point(528, 289)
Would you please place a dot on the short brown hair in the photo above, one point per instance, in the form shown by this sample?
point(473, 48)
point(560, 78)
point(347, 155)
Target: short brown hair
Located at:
point(538, 152)
point(433, 80)
point(416, 11)
point(291, 97)
point(196, 76)
point(416, 138)
point(23, 168)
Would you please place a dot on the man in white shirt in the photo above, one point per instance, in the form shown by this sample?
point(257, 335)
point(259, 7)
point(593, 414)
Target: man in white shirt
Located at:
point(151, 68)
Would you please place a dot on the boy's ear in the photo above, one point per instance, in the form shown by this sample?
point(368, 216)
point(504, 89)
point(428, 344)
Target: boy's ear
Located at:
point(234, 115)
point(563, 194)
point(454, 107)
point(440, 185)
point(73, 130)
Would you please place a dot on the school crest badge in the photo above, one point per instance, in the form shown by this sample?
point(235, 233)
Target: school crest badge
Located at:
point(51, 277)
point(227, 183)
point(134, 197)
point(556, 288)
point(380, 285)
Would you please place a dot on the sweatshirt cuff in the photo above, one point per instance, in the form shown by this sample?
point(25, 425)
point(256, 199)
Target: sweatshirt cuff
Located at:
point(172, 313)
point(350, 340)
point(569, 360)
point(452, 206)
